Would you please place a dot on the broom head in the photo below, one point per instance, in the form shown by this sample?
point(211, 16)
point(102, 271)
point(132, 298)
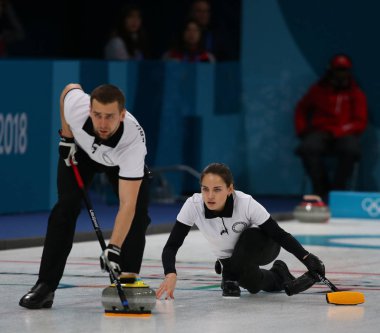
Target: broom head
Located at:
point(345, 298)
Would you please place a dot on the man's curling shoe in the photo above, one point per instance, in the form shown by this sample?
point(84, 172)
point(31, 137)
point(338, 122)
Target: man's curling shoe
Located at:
point(283, 275)
point(40, 296)
point(230, 289)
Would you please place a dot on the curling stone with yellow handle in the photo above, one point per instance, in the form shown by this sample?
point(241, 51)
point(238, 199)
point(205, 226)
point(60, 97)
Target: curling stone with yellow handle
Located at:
point(141, 299)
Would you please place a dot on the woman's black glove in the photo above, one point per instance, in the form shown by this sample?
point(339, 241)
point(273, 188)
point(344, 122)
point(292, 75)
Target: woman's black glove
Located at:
point(314, 265)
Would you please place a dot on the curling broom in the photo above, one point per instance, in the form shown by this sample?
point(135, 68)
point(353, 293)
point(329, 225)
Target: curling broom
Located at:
point(99, 234)
point(339, 297)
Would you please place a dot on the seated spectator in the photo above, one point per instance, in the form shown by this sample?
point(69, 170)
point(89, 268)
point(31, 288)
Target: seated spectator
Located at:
point(219, 22)
point(189, 46)
point(11, 29)
point(329, 120)
point(129, 40)
point(200, 11)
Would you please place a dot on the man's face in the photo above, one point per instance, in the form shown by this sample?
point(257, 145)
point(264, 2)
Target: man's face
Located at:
point(201, 13)
point(106, 118)
point(133, 22)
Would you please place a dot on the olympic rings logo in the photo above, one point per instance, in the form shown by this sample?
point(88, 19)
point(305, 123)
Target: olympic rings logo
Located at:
point(371, 206)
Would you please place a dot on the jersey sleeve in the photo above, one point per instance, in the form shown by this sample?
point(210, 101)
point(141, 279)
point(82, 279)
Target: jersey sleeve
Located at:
point(132, 162)
point(76, 106)
point(187, 214)
point(132, 151)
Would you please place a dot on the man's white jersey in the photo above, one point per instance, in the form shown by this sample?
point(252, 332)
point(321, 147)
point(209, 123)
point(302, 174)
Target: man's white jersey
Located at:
point(223, 232)
point(126, 148)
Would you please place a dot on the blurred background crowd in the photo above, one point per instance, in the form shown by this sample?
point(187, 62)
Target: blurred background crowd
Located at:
point(82, 29)
point(280, 72)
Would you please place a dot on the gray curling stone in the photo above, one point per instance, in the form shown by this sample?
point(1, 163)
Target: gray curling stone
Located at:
point(139, 296)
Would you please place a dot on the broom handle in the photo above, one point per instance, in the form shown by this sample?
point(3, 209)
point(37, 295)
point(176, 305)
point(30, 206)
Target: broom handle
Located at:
point(327, 282)
point(89, 207)
point(98, 231)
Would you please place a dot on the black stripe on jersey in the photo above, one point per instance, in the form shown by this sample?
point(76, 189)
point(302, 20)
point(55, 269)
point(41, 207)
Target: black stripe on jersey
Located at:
point(129, 178)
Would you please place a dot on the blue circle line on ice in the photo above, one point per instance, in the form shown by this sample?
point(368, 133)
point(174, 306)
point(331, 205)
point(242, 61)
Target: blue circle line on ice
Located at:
point(339, 241)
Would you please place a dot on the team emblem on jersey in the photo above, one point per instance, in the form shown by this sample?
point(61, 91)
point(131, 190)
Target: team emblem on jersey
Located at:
point(239, 227)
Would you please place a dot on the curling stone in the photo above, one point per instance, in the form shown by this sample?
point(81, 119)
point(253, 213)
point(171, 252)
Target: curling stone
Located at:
point(312, 209)
point(141, 299)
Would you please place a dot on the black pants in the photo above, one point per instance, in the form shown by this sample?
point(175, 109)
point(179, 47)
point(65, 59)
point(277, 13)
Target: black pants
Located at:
point(313, 149)
point(253, 249)
point(63, 217)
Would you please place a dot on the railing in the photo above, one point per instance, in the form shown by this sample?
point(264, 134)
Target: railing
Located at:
point(161, 190)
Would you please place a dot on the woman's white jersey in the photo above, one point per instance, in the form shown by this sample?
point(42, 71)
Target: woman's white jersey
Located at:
point(223, 232)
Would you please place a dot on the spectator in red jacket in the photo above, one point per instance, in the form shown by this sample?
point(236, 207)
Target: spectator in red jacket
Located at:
point(189, 45)
point(329, 120)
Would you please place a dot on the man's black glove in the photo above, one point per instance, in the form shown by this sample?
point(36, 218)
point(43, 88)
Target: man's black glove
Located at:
point(110, 260)
point(314, 265)
point(67, 149)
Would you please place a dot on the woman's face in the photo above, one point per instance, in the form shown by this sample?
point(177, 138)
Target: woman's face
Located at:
point(133, 21)
point(192, 34)
point(215, 191)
